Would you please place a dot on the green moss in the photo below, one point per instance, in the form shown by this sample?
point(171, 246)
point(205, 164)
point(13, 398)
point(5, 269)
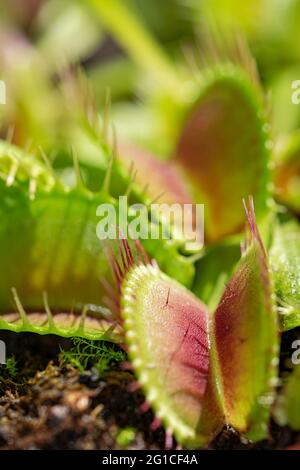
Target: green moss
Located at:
point(97, 354)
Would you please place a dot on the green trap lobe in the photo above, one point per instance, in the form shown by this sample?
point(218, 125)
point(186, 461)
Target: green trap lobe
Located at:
point(167, 335)
point(246, 341)
point(222, 148)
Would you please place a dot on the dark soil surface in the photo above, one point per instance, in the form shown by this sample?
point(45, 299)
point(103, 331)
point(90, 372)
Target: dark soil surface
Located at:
point(53, 406)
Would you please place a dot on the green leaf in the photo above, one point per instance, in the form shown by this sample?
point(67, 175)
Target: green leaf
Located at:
point(287, 406)
point(285, 262)
point(287, 172)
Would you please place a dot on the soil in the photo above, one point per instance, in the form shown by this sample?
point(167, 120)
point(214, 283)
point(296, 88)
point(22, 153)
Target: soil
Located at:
point(53, 406)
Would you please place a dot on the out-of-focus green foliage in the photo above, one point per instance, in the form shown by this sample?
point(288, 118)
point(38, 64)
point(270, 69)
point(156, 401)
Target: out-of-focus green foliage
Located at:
point(286, 172)
point(287, 407)
point(285, 261)
point(46, 37)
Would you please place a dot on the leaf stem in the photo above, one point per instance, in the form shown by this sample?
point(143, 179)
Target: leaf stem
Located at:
point(134, 37)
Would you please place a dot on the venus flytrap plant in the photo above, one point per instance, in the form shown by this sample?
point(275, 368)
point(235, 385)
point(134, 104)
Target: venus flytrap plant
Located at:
point(51, 228)
point(178, 350)
point(201, 370)
point(166, 330)
point(218, 117)
point(178, 347)
point(202, 364)
point(202, 161)
point(225, 130)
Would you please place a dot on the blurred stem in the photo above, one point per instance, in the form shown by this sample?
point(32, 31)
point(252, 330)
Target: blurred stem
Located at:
point(137, 41)
point(107, 75)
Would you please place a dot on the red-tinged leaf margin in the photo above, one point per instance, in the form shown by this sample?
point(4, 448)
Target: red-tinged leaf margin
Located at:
point(245, 340)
